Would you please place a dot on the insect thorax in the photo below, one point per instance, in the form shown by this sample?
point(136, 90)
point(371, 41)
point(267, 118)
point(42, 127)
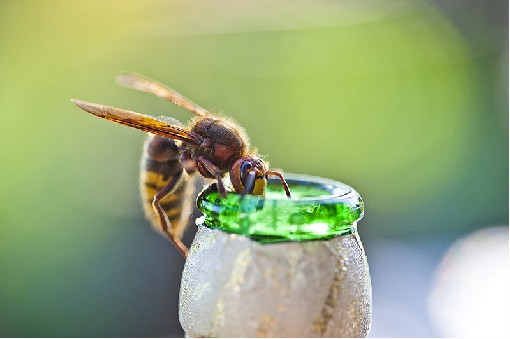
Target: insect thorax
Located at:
point(227, 141)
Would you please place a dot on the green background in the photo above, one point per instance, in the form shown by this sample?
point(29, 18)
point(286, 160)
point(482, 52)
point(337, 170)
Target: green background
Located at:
point(405, 101)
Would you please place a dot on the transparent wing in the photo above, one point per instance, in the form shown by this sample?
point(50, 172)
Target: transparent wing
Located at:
point(145, 84)
point(170, 121)
point(194, 184)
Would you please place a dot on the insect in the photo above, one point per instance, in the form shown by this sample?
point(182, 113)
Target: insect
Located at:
point(210, 145)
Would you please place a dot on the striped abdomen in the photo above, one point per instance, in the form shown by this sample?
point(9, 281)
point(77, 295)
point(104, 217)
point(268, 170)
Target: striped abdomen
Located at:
point(160, 164)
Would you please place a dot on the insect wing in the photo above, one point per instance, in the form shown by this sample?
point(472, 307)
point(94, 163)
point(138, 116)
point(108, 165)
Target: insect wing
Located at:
point(170, 121)
point(193, 184)
point(145, 84)
point(139, 121)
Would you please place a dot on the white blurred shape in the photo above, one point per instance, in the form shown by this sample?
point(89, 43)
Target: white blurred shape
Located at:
point(470, 295)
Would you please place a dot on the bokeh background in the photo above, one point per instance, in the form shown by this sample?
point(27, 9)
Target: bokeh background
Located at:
point(407, 101)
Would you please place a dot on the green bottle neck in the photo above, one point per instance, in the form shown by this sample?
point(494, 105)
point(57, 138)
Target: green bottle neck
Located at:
point(319, 209)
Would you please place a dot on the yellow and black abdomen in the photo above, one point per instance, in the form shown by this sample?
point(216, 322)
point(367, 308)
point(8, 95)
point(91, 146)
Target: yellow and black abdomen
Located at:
point(160, 164)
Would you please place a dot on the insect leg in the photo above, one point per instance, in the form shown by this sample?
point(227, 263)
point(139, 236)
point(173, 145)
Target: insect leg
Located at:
point(215, 172)
point(166, 225)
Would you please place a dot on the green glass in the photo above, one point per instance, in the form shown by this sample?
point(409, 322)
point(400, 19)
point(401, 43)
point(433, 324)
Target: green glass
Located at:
point(319, 209)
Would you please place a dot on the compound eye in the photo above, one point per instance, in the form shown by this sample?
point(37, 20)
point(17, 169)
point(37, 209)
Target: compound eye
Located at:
point(247, 176)
point(246, 166)
point(245, 169)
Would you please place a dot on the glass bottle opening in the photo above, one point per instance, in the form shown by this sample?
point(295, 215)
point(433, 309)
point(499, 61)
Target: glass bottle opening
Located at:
point(319, 209)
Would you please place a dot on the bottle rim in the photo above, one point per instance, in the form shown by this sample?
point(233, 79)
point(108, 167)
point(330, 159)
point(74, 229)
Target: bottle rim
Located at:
point(326, 209)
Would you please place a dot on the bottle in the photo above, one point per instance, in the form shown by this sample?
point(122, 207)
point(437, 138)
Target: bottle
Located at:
point(277, 267)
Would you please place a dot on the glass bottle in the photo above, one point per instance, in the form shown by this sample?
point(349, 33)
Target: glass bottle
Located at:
point(277, 267)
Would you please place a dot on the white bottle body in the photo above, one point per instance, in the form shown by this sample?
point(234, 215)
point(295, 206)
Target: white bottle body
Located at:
point(235, 287)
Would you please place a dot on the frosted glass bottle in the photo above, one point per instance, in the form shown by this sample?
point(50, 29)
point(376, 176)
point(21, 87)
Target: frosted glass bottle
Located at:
point(278, 267)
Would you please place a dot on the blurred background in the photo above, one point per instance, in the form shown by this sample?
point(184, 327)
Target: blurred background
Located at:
point(406, 101)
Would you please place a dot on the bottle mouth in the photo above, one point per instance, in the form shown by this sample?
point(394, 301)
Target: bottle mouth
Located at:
point(319, 209)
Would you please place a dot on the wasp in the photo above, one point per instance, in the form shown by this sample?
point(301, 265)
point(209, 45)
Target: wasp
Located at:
point(211, 145)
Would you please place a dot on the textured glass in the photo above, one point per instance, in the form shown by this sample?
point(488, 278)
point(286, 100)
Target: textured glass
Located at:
point(319, 209)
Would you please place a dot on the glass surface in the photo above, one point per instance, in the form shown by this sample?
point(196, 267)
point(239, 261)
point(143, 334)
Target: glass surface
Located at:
point(319, 209)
